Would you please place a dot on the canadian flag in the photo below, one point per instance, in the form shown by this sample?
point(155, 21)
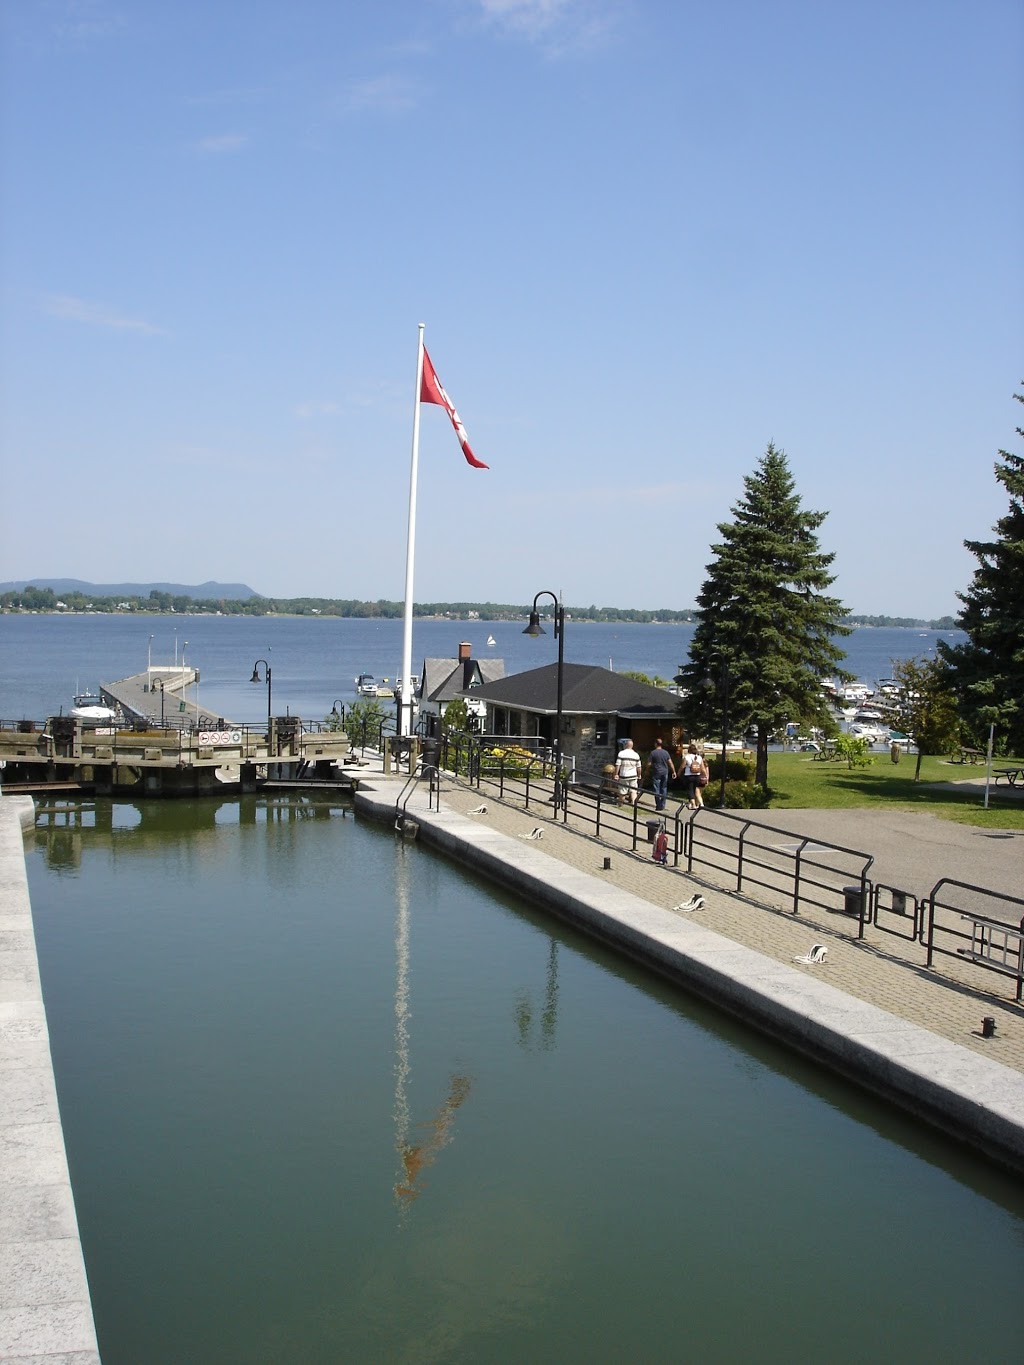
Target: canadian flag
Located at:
point(431, 391)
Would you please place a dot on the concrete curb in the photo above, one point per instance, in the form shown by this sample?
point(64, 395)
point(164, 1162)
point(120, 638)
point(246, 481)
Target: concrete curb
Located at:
point(45, 1308)
point(972, 1098)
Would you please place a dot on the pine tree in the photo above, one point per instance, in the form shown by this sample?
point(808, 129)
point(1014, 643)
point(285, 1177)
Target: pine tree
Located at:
point(987, 671)
point(766, 630)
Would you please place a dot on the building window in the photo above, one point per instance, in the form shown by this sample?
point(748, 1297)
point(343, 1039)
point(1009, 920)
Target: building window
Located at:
point(601, 732)
point(515, 722)
point(500, 721)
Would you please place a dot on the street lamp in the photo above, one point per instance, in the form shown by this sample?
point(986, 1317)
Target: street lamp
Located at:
point(160, 684)
point(337, 714)
point(149, 665)
point(535, 628)
point(257, 679)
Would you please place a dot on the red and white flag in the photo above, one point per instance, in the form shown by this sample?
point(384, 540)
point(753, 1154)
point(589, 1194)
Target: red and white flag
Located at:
point(431, 391)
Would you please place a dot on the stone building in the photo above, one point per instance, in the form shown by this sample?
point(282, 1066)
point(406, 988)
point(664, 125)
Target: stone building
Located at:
point(599, 709)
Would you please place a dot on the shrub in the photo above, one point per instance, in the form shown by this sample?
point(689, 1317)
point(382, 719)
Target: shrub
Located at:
point(510, 758)
point(854, 748)
point(741, 791)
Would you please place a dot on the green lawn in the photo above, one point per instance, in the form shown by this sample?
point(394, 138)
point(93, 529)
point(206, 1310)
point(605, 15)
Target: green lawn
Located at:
point(798, 783)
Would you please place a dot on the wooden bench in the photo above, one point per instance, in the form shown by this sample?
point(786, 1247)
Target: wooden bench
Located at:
point(965, 755)
point(1011, 775)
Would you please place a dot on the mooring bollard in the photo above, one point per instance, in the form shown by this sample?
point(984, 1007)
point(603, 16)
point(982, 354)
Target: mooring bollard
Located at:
point(988, 1027)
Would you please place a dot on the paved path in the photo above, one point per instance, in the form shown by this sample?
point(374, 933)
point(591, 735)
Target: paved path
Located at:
point(911, 850)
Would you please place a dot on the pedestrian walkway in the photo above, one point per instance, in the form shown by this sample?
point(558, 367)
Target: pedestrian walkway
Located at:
point(910, 849)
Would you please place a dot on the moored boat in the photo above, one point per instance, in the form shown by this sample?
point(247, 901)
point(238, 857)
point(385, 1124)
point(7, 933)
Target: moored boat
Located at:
point(91, 709)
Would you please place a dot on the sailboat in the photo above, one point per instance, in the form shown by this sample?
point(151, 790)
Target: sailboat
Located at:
point(491, 640)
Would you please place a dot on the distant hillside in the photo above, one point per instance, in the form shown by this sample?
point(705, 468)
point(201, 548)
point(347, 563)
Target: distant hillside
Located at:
point(236, 592)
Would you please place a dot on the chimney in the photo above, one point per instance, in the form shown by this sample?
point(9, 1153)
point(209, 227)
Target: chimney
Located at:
point(465, 652)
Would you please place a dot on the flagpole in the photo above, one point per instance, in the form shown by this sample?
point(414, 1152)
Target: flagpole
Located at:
point(405, 700)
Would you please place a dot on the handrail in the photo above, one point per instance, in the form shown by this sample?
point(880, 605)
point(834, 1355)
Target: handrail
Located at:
point(422, 768)
point(796, 850)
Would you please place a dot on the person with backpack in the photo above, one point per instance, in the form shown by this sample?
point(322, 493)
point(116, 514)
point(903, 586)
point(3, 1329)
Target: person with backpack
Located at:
point(695, 775)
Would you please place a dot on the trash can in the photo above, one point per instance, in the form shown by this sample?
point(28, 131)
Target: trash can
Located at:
point(653, 829)
point(431, 752)
point(851, 900)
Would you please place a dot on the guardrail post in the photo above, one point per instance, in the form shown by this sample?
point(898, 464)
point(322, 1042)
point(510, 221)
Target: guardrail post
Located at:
point(796, 877)
point(863, 904)
point(931, 928)
point(739, 855)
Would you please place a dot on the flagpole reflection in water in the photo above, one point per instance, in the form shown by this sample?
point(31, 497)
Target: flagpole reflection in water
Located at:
point(402, 1059)
point(414, 1157)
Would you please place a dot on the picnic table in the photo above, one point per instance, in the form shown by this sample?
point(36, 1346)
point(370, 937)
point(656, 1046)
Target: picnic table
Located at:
point(826, 753)
point(1011, 775)
point(965, 755)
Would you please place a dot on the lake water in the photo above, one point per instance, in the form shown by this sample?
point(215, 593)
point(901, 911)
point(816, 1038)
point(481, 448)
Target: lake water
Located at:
point(45, 660)
point(329, 1098)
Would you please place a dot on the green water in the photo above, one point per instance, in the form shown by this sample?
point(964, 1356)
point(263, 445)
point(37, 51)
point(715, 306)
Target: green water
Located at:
point(328, 1098)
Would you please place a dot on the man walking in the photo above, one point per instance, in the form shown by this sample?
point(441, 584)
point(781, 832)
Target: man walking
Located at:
point(661, 768)
point(627, 771)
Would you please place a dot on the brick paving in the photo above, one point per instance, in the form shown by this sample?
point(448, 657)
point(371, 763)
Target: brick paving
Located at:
point(911, 850)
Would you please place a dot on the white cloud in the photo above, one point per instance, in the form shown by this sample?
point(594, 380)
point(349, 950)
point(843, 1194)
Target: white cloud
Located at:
point(220, 144)
point(82, 20)
point(70, 309)
point(305, 412)
point(557, 26)
point(389, 94)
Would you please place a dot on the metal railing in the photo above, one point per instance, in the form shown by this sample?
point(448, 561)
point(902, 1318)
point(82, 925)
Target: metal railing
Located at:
point(423, 768)
point(897, 912)
point(799, 870)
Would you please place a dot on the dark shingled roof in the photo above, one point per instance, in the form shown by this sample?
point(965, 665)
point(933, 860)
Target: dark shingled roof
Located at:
point(446, 679)
point(586, 690)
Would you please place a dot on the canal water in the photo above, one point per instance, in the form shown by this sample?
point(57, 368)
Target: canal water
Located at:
point(328, 1098)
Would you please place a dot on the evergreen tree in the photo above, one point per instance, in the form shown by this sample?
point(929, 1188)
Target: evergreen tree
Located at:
point(987, 671)
point(766, 630)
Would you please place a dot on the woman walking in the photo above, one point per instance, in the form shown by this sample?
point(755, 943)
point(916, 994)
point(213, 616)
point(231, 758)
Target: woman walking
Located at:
point(694, 769)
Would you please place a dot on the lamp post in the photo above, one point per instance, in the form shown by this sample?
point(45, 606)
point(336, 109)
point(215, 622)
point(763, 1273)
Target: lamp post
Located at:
point(160, 684)
point(535, 628)
point(337, 712)
point(257, 679)
point(149, 665)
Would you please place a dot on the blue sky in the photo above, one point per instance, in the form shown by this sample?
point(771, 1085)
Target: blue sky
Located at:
point(646, 238)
